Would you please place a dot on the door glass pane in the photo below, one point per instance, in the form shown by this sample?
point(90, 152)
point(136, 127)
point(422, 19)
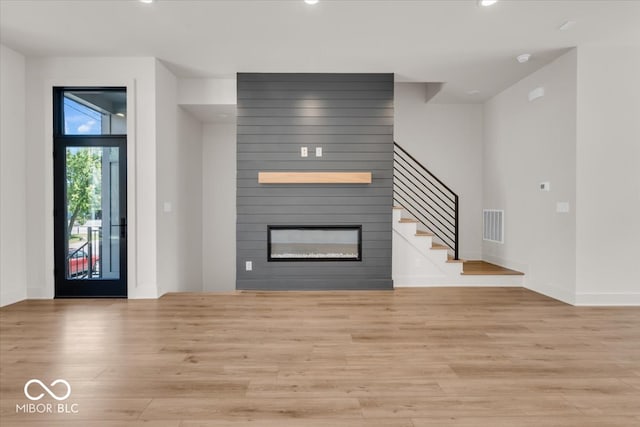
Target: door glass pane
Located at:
point(93, 213)
point(95, 112)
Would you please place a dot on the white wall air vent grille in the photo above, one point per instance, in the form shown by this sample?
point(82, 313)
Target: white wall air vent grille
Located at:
point(493, 225)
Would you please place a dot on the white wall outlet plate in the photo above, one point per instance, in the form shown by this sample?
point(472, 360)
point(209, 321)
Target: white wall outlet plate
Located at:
point(248, 265)
point(166, 207)
point(304, 152)
point(544, 186)
point(536, 93)
point(318, 151)
point(562, 207)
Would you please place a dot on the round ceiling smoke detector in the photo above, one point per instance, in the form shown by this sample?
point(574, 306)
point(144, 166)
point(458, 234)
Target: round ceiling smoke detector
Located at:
point(525, 57)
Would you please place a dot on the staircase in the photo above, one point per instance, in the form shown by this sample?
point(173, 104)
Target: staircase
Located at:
point(426, 233)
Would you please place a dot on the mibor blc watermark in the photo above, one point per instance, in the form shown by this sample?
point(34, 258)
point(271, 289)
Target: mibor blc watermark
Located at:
point(35, 390)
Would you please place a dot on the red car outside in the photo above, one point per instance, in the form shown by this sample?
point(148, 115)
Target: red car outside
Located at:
point(79, 263)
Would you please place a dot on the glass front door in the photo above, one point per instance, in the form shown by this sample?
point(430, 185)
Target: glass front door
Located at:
point(90, 195)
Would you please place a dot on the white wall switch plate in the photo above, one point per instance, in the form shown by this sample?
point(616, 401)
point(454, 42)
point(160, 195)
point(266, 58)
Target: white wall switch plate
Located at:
point(304, 152)
point(562, 207)
point(536, 93)
point(318, 151)
point(545, 186)
point(248, 265)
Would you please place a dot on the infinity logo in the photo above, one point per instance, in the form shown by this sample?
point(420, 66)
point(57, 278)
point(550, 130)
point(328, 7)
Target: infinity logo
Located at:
point(52, 394)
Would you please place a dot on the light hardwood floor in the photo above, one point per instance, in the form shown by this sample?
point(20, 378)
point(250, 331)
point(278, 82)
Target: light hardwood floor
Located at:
point(482, 268)
point(409, 357)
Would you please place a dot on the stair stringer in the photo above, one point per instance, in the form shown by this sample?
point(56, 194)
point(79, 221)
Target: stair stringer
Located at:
point(411, 266)
point(415, 264)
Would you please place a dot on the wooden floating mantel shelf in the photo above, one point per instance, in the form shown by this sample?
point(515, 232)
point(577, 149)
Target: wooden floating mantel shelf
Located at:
point(314, 177)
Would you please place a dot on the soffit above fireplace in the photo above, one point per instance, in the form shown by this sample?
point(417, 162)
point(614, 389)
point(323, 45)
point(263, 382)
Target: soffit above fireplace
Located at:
point(314, 177)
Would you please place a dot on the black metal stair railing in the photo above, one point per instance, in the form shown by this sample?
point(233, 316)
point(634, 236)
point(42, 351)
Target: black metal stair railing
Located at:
point(426, 198)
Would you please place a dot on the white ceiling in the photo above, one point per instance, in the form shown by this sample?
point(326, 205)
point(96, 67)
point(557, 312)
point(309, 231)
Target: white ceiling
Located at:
point(456, 42)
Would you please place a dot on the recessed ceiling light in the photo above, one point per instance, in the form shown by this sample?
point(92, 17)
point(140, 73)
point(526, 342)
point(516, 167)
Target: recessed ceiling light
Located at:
point(146, 1)
point(523, 58)
point(567, 25)
point(120, 114)
point(311, 1)
point(473, 92)
point(487, 2)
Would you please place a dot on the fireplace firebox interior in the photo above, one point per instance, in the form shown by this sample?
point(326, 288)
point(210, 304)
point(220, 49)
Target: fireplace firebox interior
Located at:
point(314, 243)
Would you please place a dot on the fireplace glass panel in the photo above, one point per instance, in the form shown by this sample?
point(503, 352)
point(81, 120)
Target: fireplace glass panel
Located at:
point(315, 243)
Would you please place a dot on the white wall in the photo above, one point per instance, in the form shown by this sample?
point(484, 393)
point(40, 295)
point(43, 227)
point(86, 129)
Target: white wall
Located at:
point(167, 227)
point(207, 91)
point(608, 175)
point(447, 139)
point(219, 206)
point(189, 202)
point(179, 187)
point(13, 280)
point(527, 143)
point(138, 75)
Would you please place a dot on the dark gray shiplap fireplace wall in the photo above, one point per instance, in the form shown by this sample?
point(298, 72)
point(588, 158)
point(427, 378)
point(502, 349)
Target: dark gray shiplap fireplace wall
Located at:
point(351, 117)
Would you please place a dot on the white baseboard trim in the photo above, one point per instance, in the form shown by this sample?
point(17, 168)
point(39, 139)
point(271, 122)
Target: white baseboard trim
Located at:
point(455, 285)
point(39, 293)
point(12, 297)
point(143, 291)
point(460, 281)
point(555, 293)
point(608, 299)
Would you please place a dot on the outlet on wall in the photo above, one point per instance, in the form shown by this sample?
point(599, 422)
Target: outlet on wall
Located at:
point(562, 207)
point(304, 152)
point(536, 93)
point(318, 151)
point(248, 265)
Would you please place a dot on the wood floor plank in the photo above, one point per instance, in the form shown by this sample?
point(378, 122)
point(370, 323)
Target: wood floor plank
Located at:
point(264, 409)
point(609, 387)
point(535, 421)
point(151, 387)
point(93, 423)
point(403, 358)
point(479, 406)
point(342, 387)
point(602, 405)
point(306, 422)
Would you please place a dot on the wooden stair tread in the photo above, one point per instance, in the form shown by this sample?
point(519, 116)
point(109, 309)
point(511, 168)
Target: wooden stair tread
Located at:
point(452, 261)
point(407, 220)
point(398, 207)
point(482, 268)
point(423, 233)
point(438, 247)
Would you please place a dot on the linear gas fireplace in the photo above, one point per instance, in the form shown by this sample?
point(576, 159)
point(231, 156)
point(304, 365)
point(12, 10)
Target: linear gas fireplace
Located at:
point(314, 243)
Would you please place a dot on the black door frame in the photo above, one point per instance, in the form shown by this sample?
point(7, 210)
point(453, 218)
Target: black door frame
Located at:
point(84, 288)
